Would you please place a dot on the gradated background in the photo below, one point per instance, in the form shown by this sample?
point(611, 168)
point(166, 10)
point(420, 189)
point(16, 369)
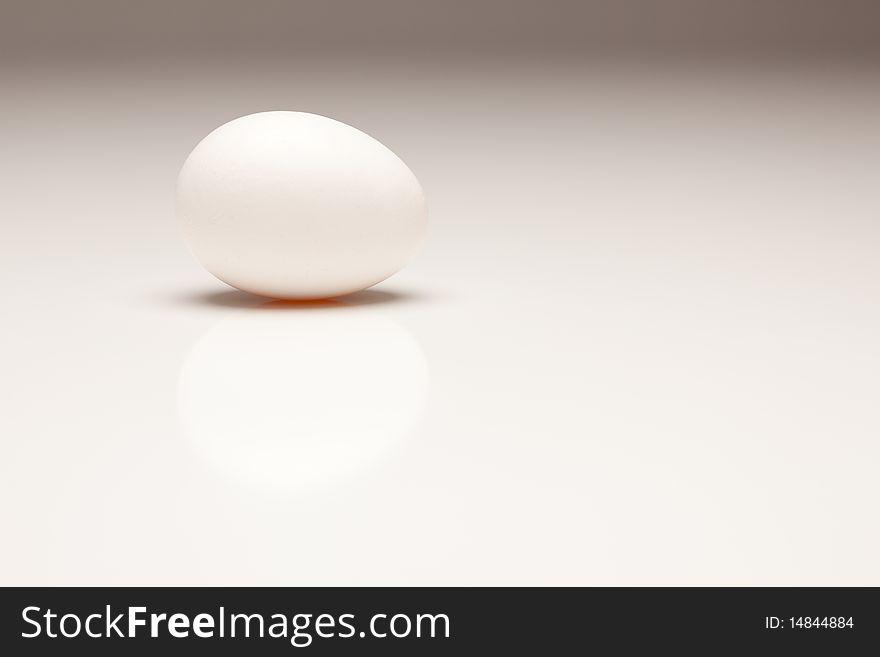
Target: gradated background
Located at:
point(640, 346)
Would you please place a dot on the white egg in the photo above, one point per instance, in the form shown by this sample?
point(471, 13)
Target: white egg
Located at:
point(294, 205)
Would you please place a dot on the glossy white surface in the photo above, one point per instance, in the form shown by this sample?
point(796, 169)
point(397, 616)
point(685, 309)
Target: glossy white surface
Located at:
point(293, 401)
point(640, 346)
point(293, 205)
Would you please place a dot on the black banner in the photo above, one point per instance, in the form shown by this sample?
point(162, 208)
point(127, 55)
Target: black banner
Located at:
point(257, 621)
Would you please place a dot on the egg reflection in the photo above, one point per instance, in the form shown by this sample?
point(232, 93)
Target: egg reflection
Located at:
point(300, 398)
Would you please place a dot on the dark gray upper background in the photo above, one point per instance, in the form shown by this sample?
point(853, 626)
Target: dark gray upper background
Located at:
point(37, 29)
